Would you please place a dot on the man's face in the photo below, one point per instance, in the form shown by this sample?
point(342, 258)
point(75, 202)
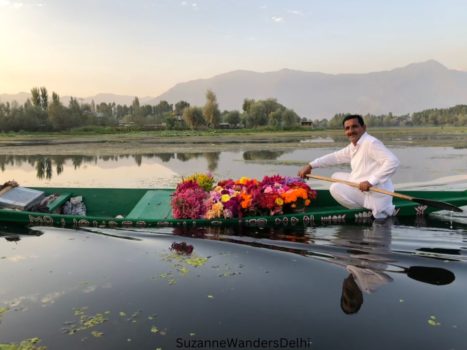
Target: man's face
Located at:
point(353, 130)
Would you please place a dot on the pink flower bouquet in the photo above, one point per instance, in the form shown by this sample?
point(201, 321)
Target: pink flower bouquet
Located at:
point(238, 198)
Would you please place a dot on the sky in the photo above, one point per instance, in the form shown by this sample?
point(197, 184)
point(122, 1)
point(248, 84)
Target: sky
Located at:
point(144, 47)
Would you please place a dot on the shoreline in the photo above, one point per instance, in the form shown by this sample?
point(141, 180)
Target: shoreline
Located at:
point(156, 142)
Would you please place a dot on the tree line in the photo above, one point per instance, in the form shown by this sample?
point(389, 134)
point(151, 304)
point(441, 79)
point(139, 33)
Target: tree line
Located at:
point(453, 116)
point(42, 112)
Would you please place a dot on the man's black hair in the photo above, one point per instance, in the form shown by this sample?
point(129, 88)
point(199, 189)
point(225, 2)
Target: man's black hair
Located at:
point(354, 116)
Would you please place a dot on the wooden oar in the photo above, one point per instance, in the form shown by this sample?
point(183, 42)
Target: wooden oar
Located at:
point(429, 202)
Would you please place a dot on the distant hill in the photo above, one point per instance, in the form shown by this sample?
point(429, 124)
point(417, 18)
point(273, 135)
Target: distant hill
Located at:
point(312, 95)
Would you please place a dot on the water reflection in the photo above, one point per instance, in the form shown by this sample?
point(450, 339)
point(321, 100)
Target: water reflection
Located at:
point(365, 252)
point(368, 258)
point(45, 166)
point(262, 155)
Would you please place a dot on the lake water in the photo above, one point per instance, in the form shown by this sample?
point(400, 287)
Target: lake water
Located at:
point(419, 165)
point(400, 285)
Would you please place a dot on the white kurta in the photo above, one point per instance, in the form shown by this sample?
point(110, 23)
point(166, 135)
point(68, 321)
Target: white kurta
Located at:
point(370, 161)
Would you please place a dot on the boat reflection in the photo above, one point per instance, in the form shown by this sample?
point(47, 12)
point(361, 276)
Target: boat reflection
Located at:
point(363, 251)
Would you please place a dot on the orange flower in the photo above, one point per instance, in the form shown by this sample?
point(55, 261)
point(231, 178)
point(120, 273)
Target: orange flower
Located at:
point(245, 200)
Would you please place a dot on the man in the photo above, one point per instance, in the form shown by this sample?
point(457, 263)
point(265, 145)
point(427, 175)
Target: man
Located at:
point(372, 164)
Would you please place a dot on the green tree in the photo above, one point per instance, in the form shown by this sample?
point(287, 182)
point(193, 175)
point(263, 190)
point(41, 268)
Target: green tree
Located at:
point(75, 115)
point(58, 114)
point(247, 104)
point(36, 97)
point(162, 108)
point(44, 98)
point(257, 115)
point(233, 118)
point(193, 117)
point(290, 119)
point(179, 107)
point(211, 111)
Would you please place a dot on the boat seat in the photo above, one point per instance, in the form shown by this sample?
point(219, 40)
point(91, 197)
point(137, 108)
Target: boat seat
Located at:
point(58, 202)
point(155, 204)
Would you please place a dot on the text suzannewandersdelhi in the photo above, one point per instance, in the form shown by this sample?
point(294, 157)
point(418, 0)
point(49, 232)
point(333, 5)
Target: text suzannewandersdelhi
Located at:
point(239, 343)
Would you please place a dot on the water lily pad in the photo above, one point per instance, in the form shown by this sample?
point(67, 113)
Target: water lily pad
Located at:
point(28, 344)
point(3, 310)
point(432, 321)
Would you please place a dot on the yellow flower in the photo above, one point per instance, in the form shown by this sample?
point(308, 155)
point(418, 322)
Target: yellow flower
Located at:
point(243, 180)
point(225, 198)
point(279, 201)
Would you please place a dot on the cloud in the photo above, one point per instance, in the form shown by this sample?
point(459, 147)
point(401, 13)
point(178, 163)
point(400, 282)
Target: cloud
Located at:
point(194, 5)
point(295, 12)
point(277, 19)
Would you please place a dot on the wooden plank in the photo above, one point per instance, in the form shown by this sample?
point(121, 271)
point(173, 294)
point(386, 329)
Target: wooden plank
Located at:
point(155, 204)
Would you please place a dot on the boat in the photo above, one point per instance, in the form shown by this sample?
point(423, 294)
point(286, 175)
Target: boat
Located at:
point(132, 207)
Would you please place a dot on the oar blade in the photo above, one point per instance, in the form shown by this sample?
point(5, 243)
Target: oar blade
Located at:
point(431, 275)
point(437, 204)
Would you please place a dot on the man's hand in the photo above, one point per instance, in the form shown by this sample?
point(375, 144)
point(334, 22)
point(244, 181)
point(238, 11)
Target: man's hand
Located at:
point(303, 172)
point(364, 186)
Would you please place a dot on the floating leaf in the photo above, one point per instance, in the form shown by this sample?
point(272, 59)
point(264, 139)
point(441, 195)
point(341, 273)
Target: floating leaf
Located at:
point(80, 310)
point(122, 314)
point(3, 310)
point(28, 344)
point(183, 270)
point(196, 261)
point(97, 334)
point(154, 329)
point(433, 321)
point(210, 296)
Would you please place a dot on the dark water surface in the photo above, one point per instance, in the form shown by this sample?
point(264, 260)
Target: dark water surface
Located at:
point(119, 289)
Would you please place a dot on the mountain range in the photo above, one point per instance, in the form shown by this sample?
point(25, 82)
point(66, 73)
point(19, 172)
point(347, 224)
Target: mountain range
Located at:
point(314, 95)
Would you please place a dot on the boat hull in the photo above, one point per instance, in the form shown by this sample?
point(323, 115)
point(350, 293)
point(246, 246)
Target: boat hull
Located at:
point(126, 208)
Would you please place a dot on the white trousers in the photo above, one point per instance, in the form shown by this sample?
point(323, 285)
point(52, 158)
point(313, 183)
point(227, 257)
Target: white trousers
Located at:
point(350, 197)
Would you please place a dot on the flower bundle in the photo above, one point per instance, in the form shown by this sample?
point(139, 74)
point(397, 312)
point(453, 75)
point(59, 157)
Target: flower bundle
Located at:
point(188, 201)
point(281, 194)
point(196, 197)
point(205, 181)
point(232, 198)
